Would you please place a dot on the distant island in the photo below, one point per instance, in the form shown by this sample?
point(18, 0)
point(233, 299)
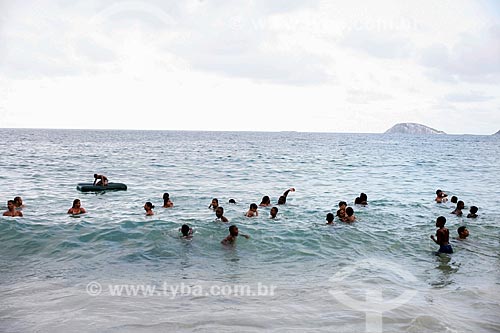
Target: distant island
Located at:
point(412, 128)
point(497, 133)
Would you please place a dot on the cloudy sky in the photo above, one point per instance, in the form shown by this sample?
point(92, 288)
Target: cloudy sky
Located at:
point(282, 65)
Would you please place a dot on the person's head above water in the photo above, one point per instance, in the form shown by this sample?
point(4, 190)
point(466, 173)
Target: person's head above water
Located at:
point(166, 196)
point(18, 201)
point(233, 230)
point(219, 211)
point(349, 211)
point(214, 204)
point(274, 212)
point(463, 233)
point(185, 230)
point(440, 221)
point(329, 218)
point(265, 200)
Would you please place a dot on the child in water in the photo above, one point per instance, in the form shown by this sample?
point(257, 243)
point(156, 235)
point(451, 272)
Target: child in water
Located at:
point(148, 207)
point(233, 234)
point(219, 214)
point(443, 236)
point(463, 233)
point(252, 211)
point(458, 210)
point(186, 231)
point(167, 203)
point(274, 212)
point(472, 212)
point(349, 215)
point(341, 210)
point(329, 218)
point(214, 204)
point(441, 196)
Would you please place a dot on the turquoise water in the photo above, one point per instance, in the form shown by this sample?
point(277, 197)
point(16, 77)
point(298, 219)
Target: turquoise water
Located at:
point(48, 259)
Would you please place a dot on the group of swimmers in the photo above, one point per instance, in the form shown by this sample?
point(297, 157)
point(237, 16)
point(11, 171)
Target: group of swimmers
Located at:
point(344, 213)
point(442, 237)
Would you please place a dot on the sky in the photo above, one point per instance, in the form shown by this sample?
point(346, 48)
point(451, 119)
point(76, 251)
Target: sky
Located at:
point(257, 65)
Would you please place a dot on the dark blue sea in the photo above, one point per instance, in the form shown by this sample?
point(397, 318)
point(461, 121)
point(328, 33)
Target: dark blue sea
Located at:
point(115, 269)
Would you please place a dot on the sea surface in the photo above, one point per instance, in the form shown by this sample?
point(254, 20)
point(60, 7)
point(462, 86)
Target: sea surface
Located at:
point(60, 273)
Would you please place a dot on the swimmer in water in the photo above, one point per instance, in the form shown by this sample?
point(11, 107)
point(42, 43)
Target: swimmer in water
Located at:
point(148, 207)
point(282, 199)
point(233, 234)
point(186, 232)
point(329, 218)
point(443, 236)
point(349, 215)
point(463, 233)
point(11, 210)
point(274, 212)
point(219, 213)
point(441, 196)
point(77, 208)
point(341, 210)
point(265, 201)
point(252, 211)
point(214, 204)
point(472, 212)
point(167, 203)
point(18, 202)
point(458, 209)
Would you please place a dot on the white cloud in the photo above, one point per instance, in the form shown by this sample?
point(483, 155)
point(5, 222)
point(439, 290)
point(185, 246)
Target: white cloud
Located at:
point(290, 65)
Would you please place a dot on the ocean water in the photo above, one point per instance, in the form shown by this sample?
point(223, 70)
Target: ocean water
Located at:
point(60, 273)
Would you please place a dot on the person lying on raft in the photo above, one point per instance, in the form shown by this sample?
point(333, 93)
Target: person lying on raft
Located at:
point(100, 180)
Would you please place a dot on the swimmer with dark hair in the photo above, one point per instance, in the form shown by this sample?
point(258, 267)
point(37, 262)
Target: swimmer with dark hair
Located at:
point(77, 208)
point(341, 211)
point(186, 231)
point(167, 203)
point(458, 210)
point(18, 202)
point(219, 213)
point(443, 236)
point(454, 199)
point(274, 212)
point(252, 211)
point(441, 196)
point(463, 233)
point(148, 207)
point(282, 199)
point(329, 218)
point(265, 201)
point(349, 215)
point(472, 212)
point(11, 210)
point(214, 204)
point(233, 234)
point(232, 201)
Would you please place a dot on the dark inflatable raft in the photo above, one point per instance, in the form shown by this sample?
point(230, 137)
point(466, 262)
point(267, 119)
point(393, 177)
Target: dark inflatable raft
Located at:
point(90, 187)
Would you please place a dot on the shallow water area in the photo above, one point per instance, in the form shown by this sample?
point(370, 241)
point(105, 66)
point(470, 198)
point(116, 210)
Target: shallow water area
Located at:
point(114, 269)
